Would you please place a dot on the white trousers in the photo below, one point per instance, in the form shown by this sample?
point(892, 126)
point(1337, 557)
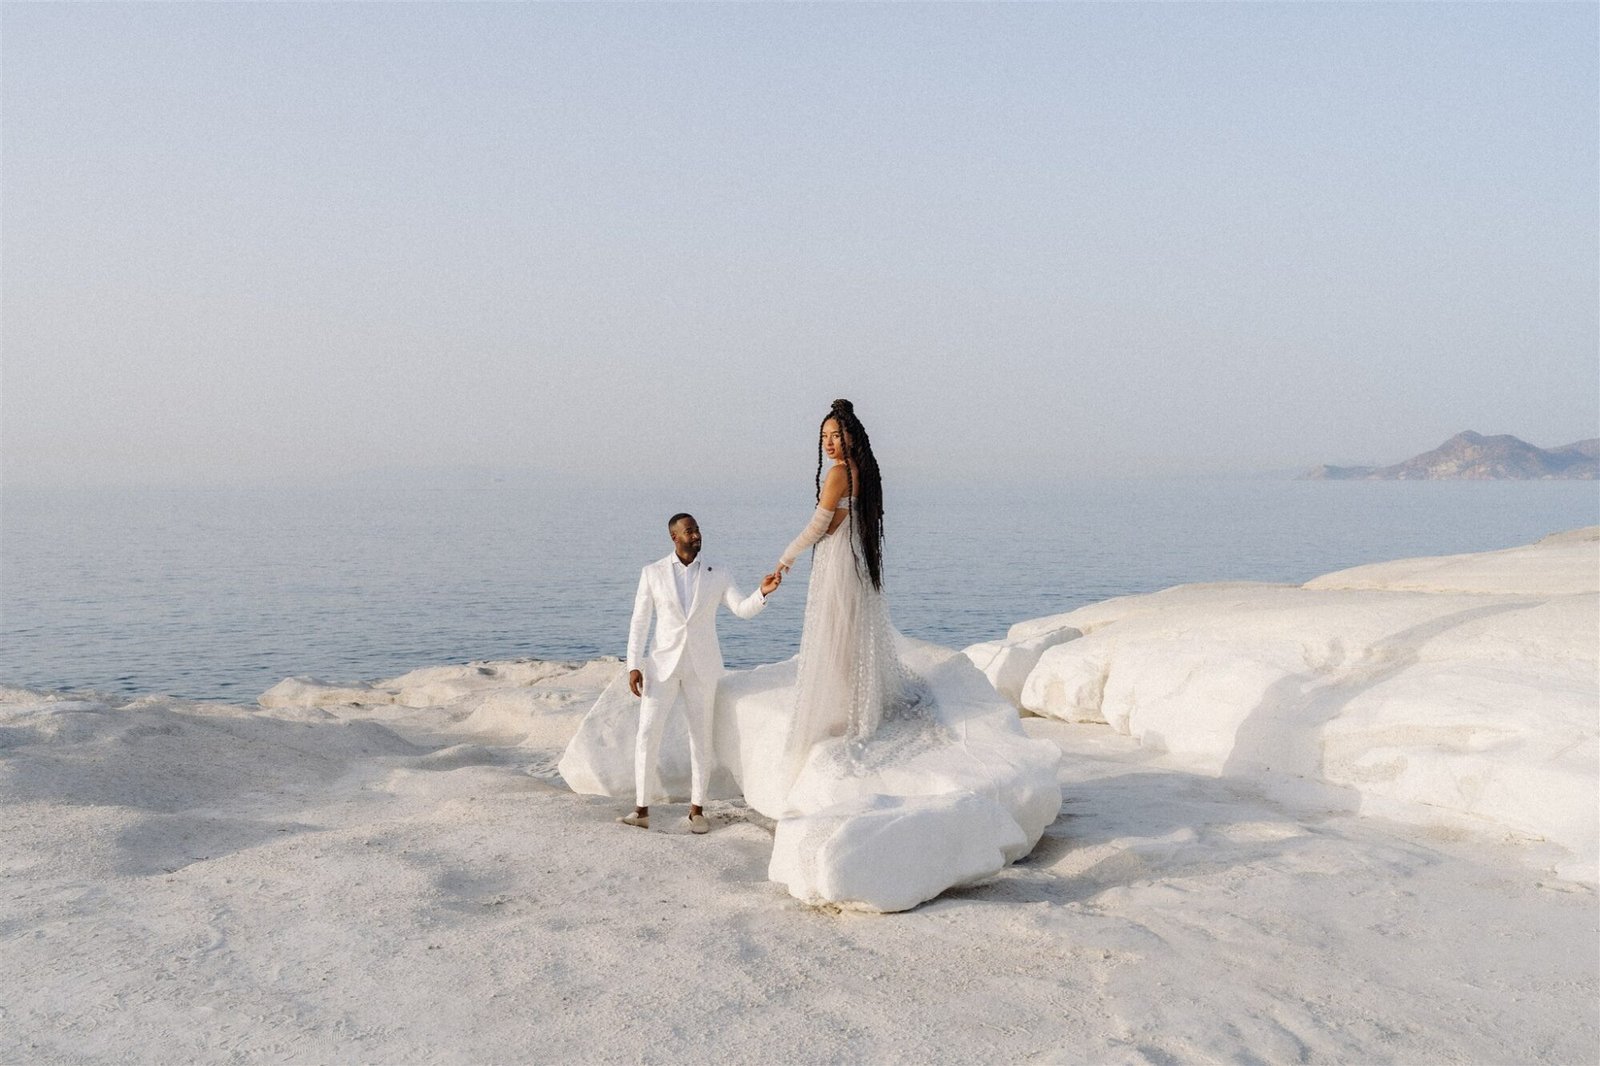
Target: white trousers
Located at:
point(661, 698)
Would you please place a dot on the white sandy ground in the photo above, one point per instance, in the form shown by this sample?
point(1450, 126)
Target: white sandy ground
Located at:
point(198, 882)
point(395, 872)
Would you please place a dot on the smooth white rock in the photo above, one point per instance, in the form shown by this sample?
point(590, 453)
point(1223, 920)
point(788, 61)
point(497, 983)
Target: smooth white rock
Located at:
point(1093, 616)
point(986, 772)
point(1455, 691)
point(310, 692)
point(1560, 564)
point(531, 701)
point(1007, 663)
point(890, 853)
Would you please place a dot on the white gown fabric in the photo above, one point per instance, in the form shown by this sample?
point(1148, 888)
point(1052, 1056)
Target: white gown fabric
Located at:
point(851, 681)
point(893, 769)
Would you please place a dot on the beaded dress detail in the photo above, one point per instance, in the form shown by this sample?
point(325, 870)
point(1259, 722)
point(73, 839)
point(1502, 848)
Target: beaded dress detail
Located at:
point(851, 682)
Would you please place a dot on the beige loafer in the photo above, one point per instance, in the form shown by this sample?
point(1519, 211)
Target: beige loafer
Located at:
point(698, 824)
point(640, 820)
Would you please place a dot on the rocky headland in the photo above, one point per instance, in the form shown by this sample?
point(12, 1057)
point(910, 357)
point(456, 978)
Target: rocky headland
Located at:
point(1472, 456)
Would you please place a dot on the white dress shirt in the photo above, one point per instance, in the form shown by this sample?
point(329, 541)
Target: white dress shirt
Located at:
point(685, 577)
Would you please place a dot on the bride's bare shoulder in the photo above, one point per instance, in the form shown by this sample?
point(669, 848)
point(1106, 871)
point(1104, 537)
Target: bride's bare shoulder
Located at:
point(834, 486)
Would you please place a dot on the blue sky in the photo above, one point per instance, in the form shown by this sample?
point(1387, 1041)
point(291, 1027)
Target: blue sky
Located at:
point(283, 241)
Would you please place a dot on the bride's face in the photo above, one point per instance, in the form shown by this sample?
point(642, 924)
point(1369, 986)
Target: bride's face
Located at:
point(835, 441)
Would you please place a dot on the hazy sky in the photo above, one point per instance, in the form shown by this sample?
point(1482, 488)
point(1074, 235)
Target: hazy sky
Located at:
point(247, 241)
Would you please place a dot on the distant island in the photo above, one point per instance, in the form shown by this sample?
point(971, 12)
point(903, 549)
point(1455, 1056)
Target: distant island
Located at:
point(1473, 457)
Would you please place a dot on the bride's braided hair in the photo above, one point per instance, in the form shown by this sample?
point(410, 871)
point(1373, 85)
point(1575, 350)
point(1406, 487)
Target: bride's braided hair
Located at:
point(866, 513)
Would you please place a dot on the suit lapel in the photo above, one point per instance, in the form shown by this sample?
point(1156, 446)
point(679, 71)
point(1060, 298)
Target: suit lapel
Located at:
point(670, 581)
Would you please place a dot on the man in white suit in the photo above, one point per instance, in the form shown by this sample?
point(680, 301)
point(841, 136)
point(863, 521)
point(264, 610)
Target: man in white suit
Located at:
point(682, 591)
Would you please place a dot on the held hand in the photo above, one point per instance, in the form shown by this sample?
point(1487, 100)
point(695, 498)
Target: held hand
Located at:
point(770, 583)
point(636, 682)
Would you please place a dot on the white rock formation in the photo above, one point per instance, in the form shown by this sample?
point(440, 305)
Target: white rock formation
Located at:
point(529, 701)
point(1561, 564)
point(1007, 663)
point(888, 852)
point(881, 838)
point(1462, 690)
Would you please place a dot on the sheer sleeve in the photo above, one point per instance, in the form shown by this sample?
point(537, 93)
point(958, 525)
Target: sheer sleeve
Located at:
point(814, 531)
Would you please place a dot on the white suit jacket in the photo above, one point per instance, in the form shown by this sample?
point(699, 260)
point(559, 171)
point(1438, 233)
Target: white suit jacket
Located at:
point(678, 635)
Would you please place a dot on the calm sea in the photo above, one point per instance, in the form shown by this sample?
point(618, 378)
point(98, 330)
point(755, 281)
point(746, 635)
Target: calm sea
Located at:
point(219, 594)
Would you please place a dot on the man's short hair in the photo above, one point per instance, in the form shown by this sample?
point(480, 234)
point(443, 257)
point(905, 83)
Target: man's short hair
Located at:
point(675, 519)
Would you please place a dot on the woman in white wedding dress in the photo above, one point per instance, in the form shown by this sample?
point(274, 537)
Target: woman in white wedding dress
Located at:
point(851, 681)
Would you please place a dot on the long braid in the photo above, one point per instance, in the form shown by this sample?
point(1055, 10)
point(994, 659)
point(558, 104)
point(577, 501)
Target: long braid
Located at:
point(819, 467)
point(866, 516)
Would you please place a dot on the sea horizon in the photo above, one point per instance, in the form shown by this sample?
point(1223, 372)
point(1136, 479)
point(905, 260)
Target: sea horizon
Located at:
point(218, 593)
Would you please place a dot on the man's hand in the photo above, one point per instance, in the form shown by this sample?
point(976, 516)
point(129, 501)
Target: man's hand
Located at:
point(770, 583)
point(636, 682)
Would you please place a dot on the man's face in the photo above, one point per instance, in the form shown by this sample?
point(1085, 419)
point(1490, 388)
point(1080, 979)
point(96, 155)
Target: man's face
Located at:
point(686, 537)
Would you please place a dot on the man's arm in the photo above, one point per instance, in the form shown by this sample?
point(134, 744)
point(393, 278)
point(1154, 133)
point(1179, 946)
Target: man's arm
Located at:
point(639, 629)
point(751, 605)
